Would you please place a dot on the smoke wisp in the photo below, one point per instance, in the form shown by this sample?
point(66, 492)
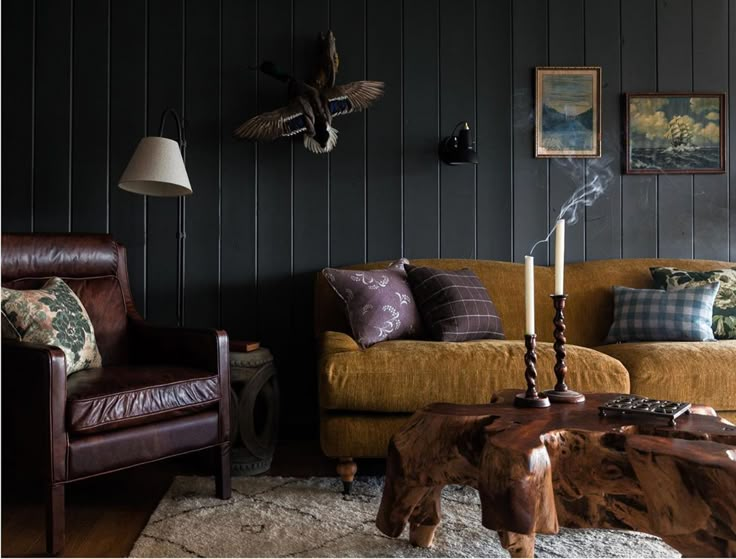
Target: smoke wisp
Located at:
point(600, 174)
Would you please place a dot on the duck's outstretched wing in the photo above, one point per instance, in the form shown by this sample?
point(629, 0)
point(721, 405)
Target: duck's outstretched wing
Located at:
point(286, 121)
point(352, 97)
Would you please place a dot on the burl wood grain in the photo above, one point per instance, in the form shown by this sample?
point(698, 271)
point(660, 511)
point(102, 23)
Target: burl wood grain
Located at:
point(539, 469)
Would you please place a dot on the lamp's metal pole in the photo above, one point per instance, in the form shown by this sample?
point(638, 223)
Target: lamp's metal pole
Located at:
point(181, 234)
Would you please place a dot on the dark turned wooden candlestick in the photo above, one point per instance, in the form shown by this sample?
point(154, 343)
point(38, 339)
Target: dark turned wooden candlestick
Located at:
point(530, 398)
point(561, 393)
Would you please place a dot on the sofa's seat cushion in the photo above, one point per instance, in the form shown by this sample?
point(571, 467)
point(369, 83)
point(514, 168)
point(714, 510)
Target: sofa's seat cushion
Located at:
point(110, 398)
point(404, 375)
point(697, 372)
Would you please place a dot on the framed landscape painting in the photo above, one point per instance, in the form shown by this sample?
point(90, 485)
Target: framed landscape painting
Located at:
point(675, 133)
point(568, 111)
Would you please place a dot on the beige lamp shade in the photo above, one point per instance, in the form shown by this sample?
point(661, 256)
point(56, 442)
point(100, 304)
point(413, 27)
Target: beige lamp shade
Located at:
point(156, 169)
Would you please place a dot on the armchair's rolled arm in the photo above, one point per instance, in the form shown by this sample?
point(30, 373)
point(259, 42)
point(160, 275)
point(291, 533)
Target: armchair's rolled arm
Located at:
point(34, 403)
point(206, 349)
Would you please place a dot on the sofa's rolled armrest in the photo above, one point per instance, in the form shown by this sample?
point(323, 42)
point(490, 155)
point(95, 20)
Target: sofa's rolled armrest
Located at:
point(198, 348)
point(34, 403)
point(336, 342)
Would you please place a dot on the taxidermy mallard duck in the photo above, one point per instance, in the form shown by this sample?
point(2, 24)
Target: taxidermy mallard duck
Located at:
point(313, 104)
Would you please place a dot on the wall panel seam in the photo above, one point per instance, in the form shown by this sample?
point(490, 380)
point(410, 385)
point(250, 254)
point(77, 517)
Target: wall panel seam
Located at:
point(475, 122)
point(33, 117)
point(620, 87)
point(146, 54)
point(219, 169)
point(512, 130)
point(107, 117)
point(401, 63)
point(439, 129)
point(70, 173)
point(365, 135)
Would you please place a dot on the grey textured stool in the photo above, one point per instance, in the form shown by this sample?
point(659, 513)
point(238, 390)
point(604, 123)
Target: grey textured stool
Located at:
point(254, 411)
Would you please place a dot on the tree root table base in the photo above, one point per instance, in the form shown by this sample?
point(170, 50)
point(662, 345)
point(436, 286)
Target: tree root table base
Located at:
point(539, 469)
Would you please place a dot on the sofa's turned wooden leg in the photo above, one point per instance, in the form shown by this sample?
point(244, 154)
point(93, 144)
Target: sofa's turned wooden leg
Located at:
point(346, 469)
point(55, 520)
point(222, 471)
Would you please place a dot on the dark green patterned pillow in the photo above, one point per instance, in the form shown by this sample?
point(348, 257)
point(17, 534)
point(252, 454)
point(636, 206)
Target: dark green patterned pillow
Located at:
point(724, 308)
point(52, 315)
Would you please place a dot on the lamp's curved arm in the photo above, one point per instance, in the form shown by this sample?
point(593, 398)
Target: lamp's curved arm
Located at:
point(181, 138)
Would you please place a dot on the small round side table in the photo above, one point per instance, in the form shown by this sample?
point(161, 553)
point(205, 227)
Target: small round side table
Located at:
point(254, 410)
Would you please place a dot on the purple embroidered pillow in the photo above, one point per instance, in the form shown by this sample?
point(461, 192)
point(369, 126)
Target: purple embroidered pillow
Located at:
point(379, 303)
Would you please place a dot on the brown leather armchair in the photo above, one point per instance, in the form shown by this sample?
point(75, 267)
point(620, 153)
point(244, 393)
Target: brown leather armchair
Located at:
point(161, 391)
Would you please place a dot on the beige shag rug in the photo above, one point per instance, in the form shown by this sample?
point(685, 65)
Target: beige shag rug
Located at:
point(289, 517)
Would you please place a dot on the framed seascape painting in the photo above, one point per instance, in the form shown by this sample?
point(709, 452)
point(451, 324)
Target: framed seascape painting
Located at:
point(675, 133)
point(568, 111)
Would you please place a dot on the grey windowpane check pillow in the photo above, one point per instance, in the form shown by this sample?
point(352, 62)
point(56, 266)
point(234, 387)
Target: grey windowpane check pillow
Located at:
point(379, 303)
point(649, 315)
point(455, 306)
point(724, 307)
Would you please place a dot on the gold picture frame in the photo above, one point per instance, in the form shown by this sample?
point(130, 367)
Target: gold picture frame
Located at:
point(676, 133)
point(567, 111)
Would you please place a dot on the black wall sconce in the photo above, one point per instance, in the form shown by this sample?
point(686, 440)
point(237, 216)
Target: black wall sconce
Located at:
point(458, 148)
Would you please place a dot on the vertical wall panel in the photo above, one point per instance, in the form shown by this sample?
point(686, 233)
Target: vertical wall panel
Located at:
point(674, 73)
point(567, 33)
point(165, 89)
point(530, 174)
point(17, 115)
point(457, 104)
point(238, 167)
point(710, 73)
point(638, 74)
point(275, 193)
point(492, 133)
point(731, 153)
point(311, 172)
point(383, 134)
point(347, 163)
point(202, 99)
point(127, 126)
point(52, 149)
point(311, 203)
point(90, 117)
point(421, 130)
point(603, 219)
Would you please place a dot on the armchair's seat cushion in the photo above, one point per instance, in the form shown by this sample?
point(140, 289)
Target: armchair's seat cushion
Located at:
point(404, 375)
point(109, 398)
point(697, 372)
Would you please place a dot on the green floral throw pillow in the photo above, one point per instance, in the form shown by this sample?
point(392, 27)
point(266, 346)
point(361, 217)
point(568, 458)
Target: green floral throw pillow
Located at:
point(52, 315)
point(724, 308)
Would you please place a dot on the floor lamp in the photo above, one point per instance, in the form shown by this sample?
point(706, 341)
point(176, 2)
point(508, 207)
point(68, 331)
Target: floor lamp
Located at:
point(157, 168)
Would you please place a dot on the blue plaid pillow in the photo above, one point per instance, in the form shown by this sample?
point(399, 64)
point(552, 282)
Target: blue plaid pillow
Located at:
point(641, 315)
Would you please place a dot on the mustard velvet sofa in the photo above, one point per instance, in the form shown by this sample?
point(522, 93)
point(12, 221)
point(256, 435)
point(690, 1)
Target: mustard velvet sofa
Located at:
point(367, 394)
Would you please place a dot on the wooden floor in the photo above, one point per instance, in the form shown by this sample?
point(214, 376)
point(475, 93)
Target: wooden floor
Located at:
point(105, 515)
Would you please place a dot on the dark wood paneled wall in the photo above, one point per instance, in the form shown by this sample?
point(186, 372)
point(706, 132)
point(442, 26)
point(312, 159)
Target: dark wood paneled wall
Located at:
point(83, 80)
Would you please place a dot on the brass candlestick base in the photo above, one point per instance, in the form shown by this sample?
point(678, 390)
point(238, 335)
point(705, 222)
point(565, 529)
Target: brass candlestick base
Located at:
point(561, 393)
point(530, 398)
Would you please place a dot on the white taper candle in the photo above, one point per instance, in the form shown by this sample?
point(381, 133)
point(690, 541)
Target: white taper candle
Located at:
point(560, 257)
point(529, 293)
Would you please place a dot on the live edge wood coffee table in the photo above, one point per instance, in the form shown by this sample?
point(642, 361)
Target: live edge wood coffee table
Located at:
point(539, 469)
